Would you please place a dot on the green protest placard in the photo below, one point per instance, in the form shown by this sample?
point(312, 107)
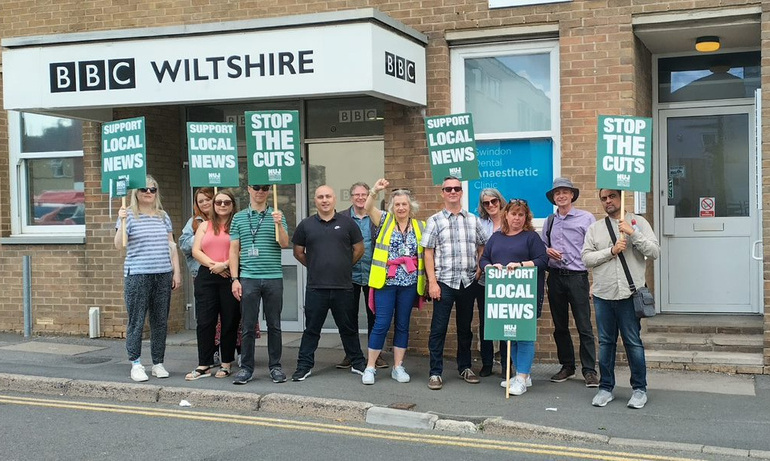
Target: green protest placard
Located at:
point(124, 154)
point(273, 147)
point(624, 153)
point(452, 147)
point(213, 154)
point(511, 304)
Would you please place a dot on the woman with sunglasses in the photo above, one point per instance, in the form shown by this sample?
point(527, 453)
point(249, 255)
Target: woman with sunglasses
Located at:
point(517, 244)
point(490, 210)
point(151, 272)
point(213, 297)
point(397, 276)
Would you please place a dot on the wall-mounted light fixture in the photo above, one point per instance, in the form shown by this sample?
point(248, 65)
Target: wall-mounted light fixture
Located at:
point(707, 44)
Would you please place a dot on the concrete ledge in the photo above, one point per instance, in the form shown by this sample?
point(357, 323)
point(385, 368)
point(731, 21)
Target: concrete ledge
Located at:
point(123, 392)
point(34, 384)
point(400, 418)
point(499, 426)
point(458, 427)
point(691, 447)
point(314, 406)
point(210, 398)
point(726, 451)
point(759, 454)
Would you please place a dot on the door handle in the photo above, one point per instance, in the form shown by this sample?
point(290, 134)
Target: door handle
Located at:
point(669, 213)
point(754, 254)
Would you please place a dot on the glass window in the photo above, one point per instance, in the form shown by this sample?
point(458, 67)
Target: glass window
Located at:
point(706, 77)
point(47, 186)
point(509, 93)
point(513, 94)
point(338, 118)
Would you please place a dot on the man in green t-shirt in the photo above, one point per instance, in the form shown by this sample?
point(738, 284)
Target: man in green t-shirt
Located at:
point(257, 275)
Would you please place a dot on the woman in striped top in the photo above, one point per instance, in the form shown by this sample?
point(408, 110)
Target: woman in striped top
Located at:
point(151, 272)
point(213, 296)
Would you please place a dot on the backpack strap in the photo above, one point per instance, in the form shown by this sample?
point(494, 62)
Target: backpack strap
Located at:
point(620, 255)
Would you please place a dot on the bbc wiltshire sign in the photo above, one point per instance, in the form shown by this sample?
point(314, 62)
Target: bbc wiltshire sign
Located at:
point(511, 304)
point(624, 153)
point(124, 155)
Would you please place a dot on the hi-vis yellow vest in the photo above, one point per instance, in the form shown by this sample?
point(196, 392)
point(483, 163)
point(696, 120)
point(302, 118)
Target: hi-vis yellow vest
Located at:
point(379, 270)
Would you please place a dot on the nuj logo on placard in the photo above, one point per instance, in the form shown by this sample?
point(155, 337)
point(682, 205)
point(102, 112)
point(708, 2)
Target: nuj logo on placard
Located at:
point(215, 178)
point(509, 331)
point(457, 172)
point(274, 174)
point(624, 180)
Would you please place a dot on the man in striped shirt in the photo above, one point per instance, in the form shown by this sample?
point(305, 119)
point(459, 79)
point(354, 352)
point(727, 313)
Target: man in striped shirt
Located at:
point(257, 275)
point(453, 241)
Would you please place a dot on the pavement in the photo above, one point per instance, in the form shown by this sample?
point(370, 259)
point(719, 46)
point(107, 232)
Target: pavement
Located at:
point(687, 411)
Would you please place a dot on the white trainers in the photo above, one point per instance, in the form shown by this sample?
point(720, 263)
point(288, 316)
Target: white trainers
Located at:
point(638, 399)
point(137, 373)
point(602, 398)
point(504, 382)
point(518, 386)
point(399, 374)
point(368, 376)
point(159, 371)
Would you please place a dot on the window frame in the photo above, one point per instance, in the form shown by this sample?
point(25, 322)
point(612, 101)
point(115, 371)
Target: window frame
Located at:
point(18, 185)
point(459, 54)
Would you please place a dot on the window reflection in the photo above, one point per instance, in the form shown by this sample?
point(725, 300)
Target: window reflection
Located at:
point(699, 78)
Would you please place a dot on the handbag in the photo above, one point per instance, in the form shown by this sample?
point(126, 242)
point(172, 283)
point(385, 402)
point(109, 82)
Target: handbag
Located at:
point(644, 302)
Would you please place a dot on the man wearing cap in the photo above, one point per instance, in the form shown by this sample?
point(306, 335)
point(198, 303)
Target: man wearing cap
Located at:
point(563, 234)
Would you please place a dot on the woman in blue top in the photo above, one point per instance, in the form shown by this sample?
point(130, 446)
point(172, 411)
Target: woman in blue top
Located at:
point(151, 272)
point(517, 244)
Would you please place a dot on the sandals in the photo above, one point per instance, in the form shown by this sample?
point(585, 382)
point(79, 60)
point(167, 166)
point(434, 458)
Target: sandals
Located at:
point(200, 372)
point(223, 372)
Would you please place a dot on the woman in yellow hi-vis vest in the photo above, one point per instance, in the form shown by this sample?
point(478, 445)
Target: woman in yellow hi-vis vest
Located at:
point(397, 275)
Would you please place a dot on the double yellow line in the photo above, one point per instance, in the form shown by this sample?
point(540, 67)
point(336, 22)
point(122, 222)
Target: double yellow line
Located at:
point(337, 429)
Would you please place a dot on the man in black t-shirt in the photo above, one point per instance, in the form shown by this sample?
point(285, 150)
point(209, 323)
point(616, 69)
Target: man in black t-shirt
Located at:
point(328, 244)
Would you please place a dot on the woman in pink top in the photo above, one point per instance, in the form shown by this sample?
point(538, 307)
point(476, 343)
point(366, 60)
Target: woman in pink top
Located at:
point(213, 296)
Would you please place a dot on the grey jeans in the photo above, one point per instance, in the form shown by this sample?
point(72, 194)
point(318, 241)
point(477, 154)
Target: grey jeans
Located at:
point(270, 293)
point(147, 293)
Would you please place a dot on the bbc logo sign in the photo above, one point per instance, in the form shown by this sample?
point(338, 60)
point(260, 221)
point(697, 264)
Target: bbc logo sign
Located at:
point(399, 67)
point(113, 74)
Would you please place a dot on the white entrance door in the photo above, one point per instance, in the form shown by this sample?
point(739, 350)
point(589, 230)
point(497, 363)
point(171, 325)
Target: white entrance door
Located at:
point(709, 215)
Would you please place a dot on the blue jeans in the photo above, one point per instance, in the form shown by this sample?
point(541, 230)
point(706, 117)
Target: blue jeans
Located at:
point(270, 293)
point(318, 302)
point(442, 309)
point(389, 300)
point(522, 355)
point(613, 317)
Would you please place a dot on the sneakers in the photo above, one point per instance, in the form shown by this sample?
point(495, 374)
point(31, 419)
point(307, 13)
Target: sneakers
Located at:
point(344, 364)
point(159, 371)
point(602, 398)
point(368, 376)
point(638, 399)
point(243, 377)
point(435, 383)
point(399, 374)
point(564, 374)
point(277, 375)
point(592, 380)
point(381, 363)
point(504, 382)
point(486, 370)
point(518, 386)
point(469, 376)
point(137, 373)
point(301, 374)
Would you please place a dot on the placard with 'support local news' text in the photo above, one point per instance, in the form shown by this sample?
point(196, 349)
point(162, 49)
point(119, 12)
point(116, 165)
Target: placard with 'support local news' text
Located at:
point(511, 304)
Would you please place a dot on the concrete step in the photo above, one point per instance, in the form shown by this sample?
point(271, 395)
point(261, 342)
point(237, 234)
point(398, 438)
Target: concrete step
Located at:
point(706, 324)
point(716, 361)
point(719, 342)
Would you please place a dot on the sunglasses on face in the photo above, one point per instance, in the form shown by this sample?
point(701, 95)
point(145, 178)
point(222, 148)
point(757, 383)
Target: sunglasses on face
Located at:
point(518, 201)
point(262, 188)
point(151, 190)
point(223, 202)
point(488, 203)
point(449, 189)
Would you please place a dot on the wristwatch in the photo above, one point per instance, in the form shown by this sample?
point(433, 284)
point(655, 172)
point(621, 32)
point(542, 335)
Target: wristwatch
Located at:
point(233, 279)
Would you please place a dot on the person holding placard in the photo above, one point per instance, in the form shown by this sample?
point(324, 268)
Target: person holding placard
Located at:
point(397, 276)
point(257, 276)
point(453, 240)
point(213, 298)
point(151, 272)
point(491, 203)
point(633, 239)
point(328, 244)
point(517, 244)
point(563, 234)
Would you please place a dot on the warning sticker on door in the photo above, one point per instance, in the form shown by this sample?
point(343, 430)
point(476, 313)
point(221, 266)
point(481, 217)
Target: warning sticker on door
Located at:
point(706, 207)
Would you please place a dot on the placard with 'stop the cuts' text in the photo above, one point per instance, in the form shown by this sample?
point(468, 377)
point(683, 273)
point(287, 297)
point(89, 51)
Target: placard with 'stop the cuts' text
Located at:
point(624, 153)
point(273, 147)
